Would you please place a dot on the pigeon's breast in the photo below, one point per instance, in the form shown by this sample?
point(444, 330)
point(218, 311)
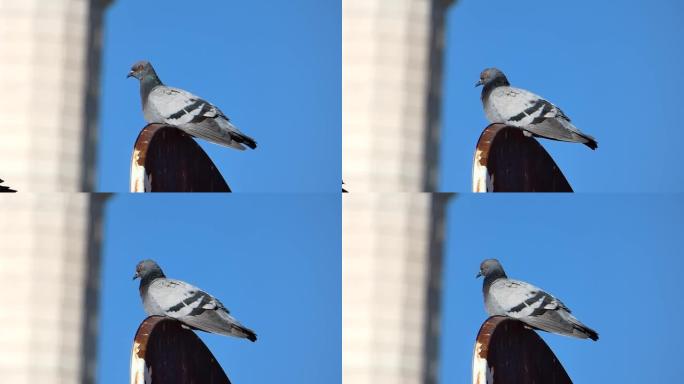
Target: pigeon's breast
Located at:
point(151, 306)
point(152, 114)
point(493, 307)
point(493, 303)
point(492, 107)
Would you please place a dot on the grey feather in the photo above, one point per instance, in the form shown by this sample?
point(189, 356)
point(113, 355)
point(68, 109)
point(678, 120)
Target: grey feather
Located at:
point(527, 303)
point(186, 303)
point(523, 109)
point(182, 109)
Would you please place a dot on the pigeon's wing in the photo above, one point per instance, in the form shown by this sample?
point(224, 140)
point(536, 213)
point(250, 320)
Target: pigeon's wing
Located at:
point(520, 108)
point(179, 299)
point(520, 299)
point(539, 309)
point(218, 321)
point(198, 117)
point(196, 308)
point(179, 107)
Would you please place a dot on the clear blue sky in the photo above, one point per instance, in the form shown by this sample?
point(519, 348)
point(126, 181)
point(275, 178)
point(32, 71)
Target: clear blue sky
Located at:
point(613, 67)
point(273, 67)
point(273, 260)
point(614, 260)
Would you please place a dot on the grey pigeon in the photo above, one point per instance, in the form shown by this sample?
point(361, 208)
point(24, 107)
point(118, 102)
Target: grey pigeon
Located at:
point(527, 303)
point(186, 303)
point(4, 188)
point(523, 109)
point(182, 109)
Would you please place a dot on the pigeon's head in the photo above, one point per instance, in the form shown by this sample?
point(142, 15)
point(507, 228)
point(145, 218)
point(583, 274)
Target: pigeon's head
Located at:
point(491, 267)
point(141, 69)
point(492, 76)
point(147, 268)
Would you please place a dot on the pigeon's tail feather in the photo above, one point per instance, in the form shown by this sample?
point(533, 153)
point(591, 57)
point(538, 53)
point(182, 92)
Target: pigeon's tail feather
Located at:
point(579, 136)
point(591, 143)
point(243, 139)
point(219, 322)
point(237, 330)
point(245, 332)
point(590, 333)
point(582, 137)
point(232, 327)
point(235, 138)
point(583, 330)
point(561, 130)
point(562, 323)
point(221, 132)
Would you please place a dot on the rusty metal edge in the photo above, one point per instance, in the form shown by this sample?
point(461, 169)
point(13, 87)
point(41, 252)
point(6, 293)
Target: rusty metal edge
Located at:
point(482, 180)
point(139, 374)
point(139, 178)
point(481, 372)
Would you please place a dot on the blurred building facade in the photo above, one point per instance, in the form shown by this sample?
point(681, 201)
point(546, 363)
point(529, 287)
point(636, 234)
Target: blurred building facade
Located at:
point(49, 271)
point(49, 242)
point(49, 73)
point(391, 286)
point(392, 54)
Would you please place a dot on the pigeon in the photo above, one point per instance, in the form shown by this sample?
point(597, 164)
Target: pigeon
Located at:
point(186, 303)
point(527, 303)
point(523, 109)
point(182, 109)
point(5, 188)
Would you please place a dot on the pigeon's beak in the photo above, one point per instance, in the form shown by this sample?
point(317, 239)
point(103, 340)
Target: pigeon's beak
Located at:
point(479, 274)
point(130, 74)
point(479, 82)
point(136, 276)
